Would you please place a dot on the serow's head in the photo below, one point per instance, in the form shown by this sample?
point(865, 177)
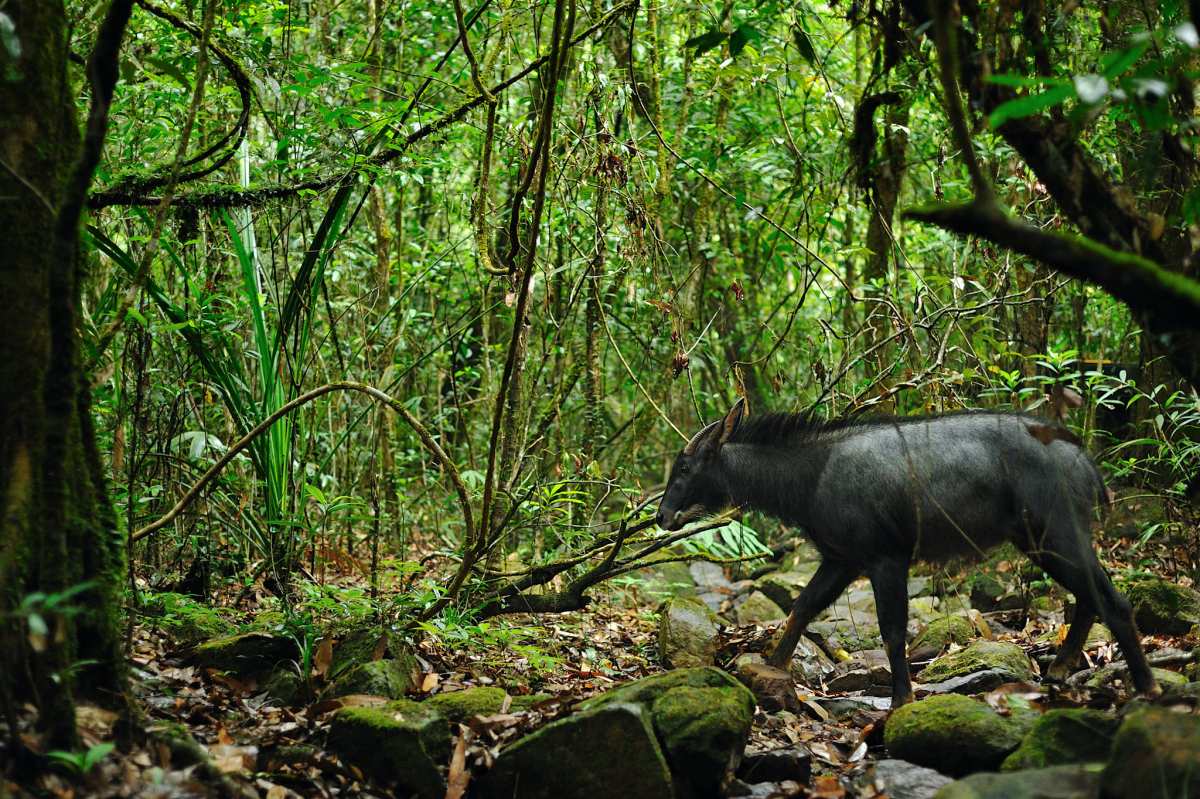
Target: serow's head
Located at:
point(696, 488)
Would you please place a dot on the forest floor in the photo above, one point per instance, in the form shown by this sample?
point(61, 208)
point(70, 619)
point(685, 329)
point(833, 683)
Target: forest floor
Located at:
point(220, 732)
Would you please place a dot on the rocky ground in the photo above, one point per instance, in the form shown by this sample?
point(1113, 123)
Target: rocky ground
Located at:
point(645, 694)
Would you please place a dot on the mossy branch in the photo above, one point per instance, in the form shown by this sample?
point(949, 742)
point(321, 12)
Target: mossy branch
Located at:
point(1144, 285)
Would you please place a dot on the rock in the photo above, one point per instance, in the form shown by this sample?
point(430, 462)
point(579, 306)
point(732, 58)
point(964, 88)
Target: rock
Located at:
point(246, 654)
point(899, 779)
point(459, 706)
point(703, 732)
point(668, 579)
point(973, 683)
point(1058, 782)
point(610, 750)
point(772, 688)
point(1107, 675)
point(365, 645)
point(402, 742)
point(523, 703)
point(841, 707)
point(943, 631)
point(776, 765)
point(687, 634)
point(980, 656)
point(951, 733)
point(867, 668)
point(388, 678)
point(702, 718)
point(1155, 755)
point(708, 575)
point(648, 689)
point(758, 609)
point(1062, 736)
point(766, 790)
point(285, 686)
point(782, 588)
point(185, 620)
point(988, 595)
point(809, 666)
point(1162, 607)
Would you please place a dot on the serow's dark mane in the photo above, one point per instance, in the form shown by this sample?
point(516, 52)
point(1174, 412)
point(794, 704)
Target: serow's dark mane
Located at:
point(778, 429)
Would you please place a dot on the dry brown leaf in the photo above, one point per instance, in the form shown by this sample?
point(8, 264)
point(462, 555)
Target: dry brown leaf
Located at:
point(460, 776)
point(429, 682)
point(826, 787)
point(323, 657)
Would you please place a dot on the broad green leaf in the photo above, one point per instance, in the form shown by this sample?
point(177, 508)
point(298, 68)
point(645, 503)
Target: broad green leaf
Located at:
point(804, 44)
point(1030, 104)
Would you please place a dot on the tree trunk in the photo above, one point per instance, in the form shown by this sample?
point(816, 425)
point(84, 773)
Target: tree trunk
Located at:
point(57, 531)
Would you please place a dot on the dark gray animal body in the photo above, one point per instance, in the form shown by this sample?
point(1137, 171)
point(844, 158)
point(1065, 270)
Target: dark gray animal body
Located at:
point(876, 495)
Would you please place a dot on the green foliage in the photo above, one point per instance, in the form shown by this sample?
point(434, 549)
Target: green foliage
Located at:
point(82, 762)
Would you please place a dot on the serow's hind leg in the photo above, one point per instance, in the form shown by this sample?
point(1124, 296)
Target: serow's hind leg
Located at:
point(1066, 553)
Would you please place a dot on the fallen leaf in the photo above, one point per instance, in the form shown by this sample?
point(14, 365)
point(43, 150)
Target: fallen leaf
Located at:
point(429, 682)
point(323, 658)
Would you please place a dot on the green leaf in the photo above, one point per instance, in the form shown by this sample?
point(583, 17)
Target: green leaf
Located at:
point(1114, 64)
point(8, 36)
point(170, 70)
point(804, 44)
point(1024, 81)
point(741, 37)
point(1030, 104)
point(706, 41)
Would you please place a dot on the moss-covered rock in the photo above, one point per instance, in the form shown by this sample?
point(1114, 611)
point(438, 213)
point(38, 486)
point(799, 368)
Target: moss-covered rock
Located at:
point(1106, 675)
point(185, 620)
point(1062, 736)
point(687, 633)
point(402, 742)
point(702, 718)
point(979, 656)
point(952, 733)
point(390, 678)
point(943, 631)
point(526, 701)
point(285, 686)
point(246, 654)
point(703, 732)
point(1155, 755)
point(782, 588)
point(1057, 782)
point(1162, 607)
point(646, 690)
point(758, 609)
point(364, 645)
point(462, 705)
point(610, 750)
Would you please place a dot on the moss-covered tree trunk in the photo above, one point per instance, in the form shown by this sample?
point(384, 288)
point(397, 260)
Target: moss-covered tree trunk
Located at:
point(57, 529)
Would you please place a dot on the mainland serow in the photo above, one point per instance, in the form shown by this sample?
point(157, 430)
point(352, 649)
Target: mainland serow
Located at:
point(875, 495)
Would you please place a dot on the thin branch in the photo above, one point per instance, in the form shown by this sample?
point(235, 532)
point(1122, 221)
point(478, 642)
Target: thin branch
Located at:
point(464, 497)
point(947, 46)
point(228, 198)
point(1137, 281)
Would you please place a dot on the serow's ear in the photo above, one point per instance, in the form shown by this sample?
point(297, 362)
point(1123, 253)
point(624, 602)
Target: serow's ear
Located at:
point(733, 420)
point(697, 441)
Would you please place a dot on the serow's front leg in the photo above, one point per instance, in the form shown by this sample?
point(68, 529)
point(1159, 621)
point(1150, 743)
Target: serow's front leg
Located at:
point(827, 584)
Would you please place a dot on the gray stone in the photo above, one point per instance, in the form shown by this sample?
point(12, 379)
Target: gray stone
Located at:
point(687, 634)
point(974, 683)
point(1056, 782)
point(899, 779)
point(758, 609)
point(776, 765)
